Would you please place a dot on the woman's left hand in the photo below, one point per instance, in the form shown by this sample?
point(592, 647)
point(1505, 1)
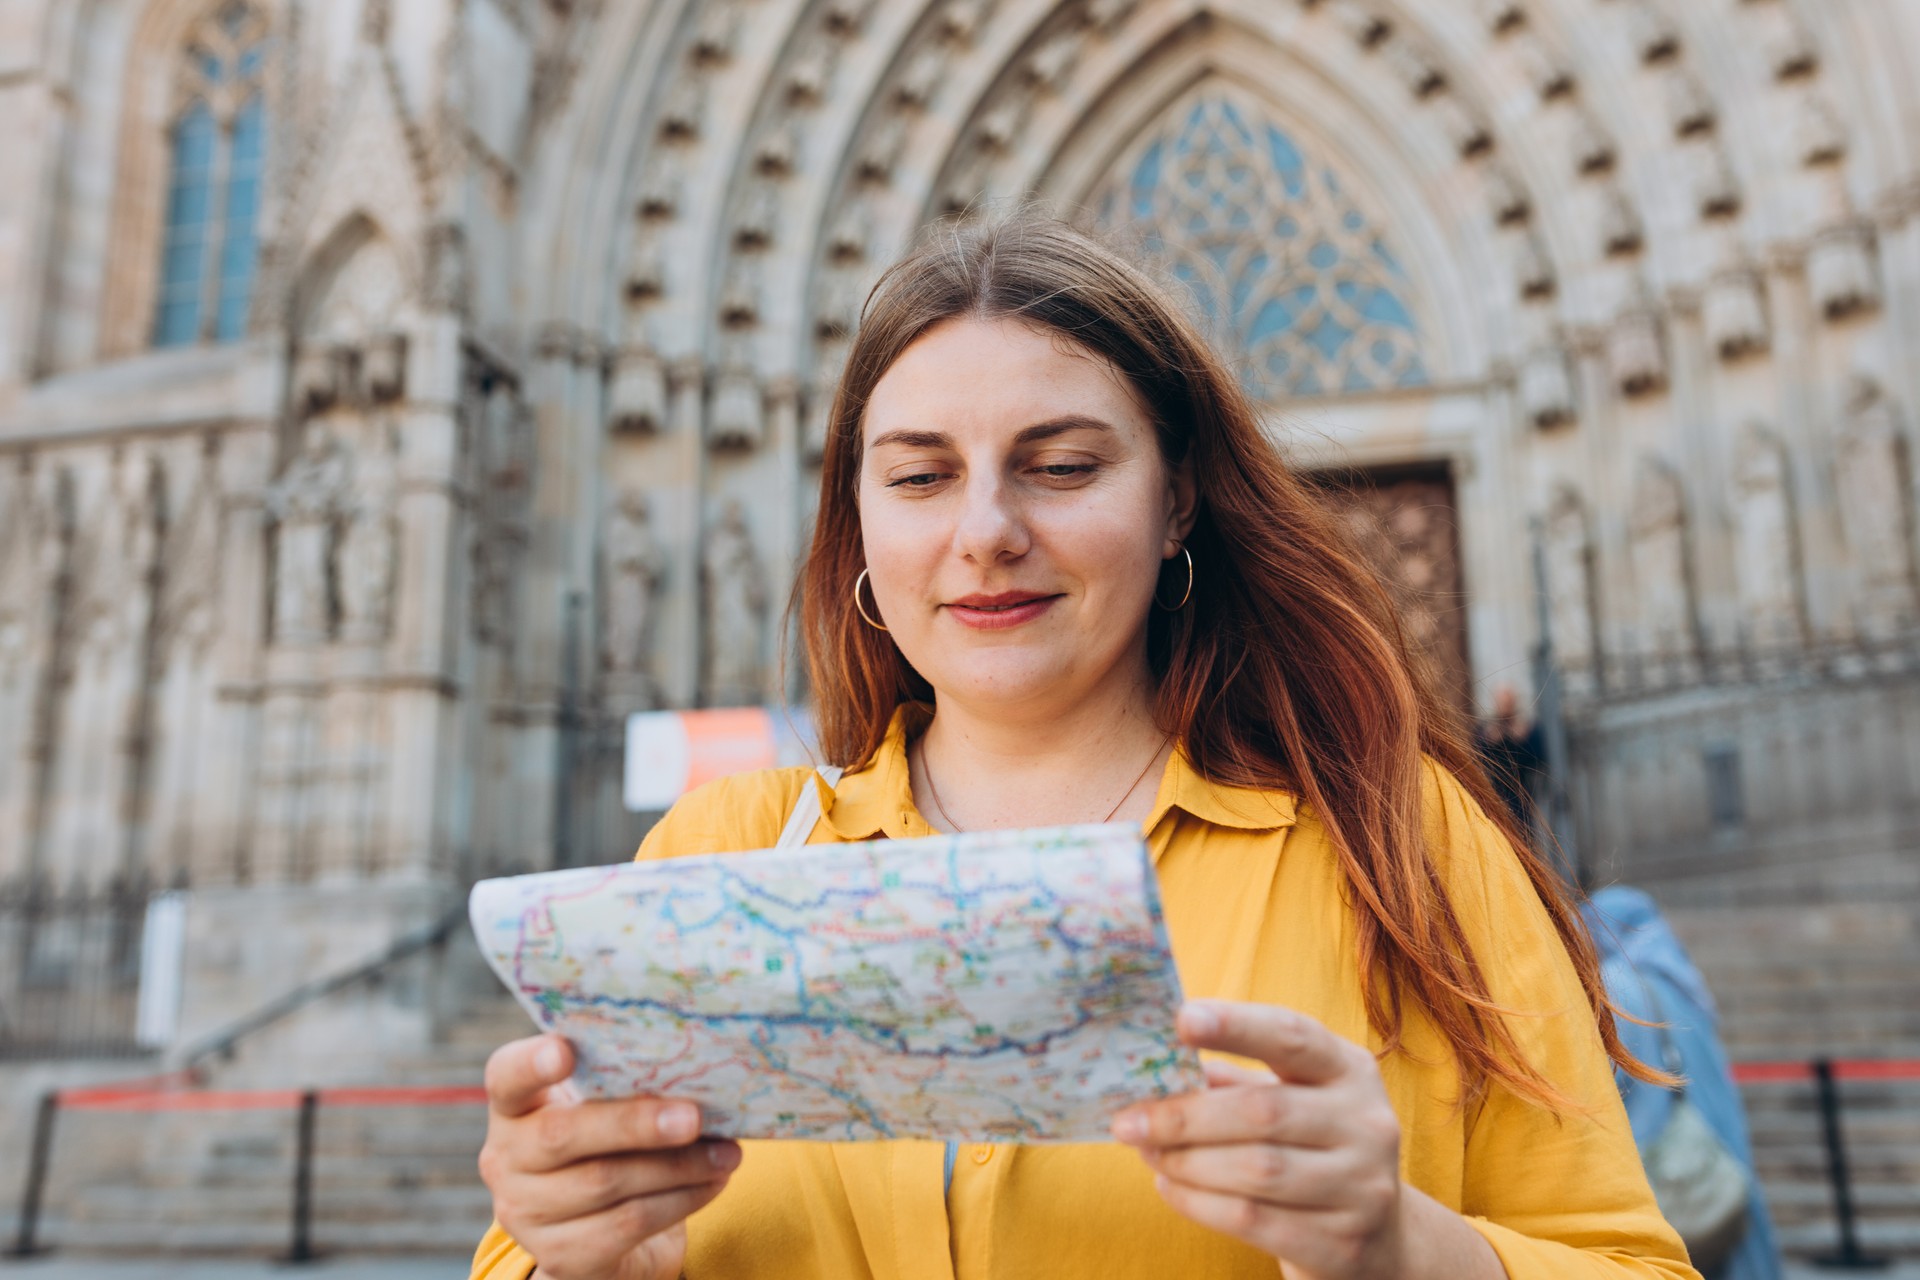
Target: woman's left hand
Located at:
point(1302, 1162)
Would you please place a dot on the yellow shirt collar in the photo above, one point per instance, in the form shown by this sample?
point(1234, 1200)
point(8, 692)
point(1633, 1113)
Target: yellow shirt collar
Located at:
point(877, 799)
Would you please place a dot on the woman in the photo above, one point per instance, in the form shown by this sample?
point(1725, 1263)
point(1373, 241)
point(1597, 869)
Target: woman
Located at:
point(1650, 977)
point(1059, 575)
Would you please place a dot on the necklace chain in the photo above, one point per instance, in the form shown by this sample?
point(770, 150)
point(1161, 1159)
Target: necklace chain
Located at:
point(933, 792)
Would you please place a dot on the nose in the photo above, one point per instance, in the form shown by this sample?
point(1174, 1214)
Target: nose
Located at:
point(991, 527)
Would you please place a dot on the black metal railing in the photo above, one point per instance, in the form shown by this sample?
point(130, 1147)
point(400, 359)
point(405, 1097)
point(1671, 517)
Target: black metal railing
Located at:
point(70, 968)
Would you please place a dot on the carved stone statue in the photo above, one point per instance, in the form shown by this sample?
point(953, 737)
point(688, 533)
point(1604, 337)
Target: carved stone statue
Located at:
point(306, 504)
point(1876, 511)
point(1569, 555)
point(1767, 561)
point(632, 568)
point(1657, 526)
point(736, 596)
point(369, 545)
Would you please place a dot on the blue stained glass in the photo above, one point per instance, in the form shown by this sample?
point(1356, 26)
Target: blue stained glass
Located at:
point(239, 249)
point(251, 59)
point(183, 254)
point(209, 63)
point(1274, 250)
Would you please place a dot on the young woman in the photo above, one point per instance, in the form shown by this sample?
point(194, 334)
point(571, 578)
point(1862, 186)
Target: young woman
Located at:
point(1061, 575)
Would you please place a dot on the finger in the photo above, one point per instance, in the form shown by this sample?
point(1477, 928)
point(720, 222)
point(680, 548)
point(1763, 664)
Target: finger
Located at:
point(1221, 1073)
point(1294, 1045)
point(520, 1072)
point(1268, 1229)
point(597, 1242)
point(557, 1136)
point(588, 1186)
point(1290, 1115)
point(1290, 1177)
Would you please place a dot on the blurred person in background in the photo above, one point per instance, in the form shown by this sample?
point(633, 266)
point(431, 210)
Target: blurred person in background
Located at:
point(1650, 977)
point(1513, 753)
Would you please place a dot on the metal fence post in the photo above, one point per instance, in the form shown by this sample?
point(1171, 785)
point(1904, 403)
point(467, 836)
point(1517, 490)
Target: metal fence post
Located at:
point(1839, 1176)
point(302, 1249)
point(24, 1245)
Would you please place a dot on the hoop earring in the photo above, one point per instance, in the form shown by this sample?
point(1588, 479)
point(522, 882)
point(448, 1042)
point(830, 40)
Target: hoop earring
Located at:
point(861, 608)
point(1175, 608)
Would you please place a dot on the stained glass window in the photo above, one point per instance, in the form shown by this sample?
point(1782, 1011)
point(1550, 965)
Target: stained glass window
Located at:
point(1278, 253)
point(210, 244)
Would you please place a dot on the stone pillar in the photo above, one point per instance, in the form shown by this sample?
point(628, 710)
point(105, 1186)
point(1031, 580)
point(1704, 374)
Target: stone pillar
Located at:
point(679, 632)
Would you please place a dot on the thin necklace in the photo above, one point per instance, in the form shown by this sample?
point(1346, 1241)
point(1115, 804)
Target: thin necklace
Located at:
point(933, 792)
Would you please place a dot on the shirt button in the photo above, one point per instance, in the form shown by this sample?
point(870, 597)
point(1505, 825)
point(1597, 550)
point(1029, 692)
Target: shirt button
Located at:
point(982, 1154)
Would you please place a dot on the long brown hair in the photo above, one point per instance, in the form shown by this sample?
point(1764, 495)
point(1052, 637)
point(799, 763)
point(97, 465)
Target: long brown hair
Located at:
point(1288, 668)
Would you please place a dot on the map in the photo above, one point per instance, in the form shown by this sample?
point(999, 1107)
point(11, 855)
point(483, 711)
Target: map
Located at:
point(1001, 986)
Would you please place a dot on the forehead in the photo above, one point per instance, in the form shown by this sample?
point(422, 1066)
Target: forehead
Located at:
point(969, 374)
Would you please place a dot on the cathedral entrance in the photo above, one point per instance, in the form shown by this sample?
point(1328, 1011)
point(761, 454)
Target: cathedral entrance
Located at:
point(1405, 521)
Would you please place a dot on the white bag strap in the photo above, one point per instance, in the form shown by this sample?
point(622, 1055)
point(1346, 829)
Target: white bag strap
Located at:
point(806, 810)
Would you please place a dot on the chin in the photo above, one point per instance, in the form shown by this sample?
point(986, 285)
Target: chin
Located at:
point(1012, 683)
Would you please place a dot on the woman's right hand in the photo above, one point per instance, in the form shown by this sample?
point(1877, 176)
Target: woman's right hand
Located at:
point(593, 1190)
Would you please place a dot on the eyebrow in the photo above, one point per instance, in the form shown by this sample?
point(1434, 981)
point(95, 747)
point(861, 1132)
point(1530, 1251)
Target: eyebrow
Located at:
point(1047, 430)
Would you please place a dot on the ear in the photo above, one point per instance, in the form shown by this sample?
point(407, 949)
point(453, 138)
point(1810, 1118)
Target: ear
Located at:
point(1183, 506)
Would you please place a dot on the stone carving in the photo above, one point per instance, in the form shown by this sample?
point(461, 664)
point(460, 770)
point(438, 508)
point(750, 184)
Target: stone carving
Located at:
point(1051, 64)
point(1415, 67)
point(632, 570)
point(1652, 33)
point(1621, 230)
point(1107, 15)
point(1766, 550)
point(1546, 387)
point(1548, 73)
point(320, 377)
point(738, 419)
point(1876, 510)
point(647, 262)
point(1637, 349)
point(1466, 128)
point(1532, 266)
point(961, 20)
point(921, 77)
point(1570, 600)
point(383, 367)
point(1790, 49)
point(685, 109)
point(637, 399)
point(740, 291)
point(305, 504)
point(810, 74)
point(830, 362)
point(191, 560)
point(1689, 110)
point(1716, 190)
point(717, 33)
point(846, 17)
point(882, 148)
point(1819, 136)
point(736, 599)
point(1735, 314)
point(1662, 574)
point(369, 547)
point(842, 291)
point(449, 282)
point(1844, 271)
point(1367, 25)
point(1001, 125)
point(1501, 16)
point(1592, 150)
point(758, 218)
point(778, 152)
point(851, 233)
point(662, 183)
point(1507, 198)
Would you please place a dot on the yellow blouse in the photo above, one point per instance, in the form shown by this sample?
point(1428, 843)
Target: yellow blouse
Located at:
point(1253, 900)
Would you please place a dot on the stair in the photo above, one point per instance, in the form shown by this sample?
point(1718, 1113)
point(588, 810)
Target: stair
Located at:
point(390, 1180)
point(1835, 981)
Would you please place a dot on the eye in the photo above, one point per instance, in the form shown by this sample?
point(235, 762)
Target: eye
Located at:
point(919, 480)
point(1065, 470)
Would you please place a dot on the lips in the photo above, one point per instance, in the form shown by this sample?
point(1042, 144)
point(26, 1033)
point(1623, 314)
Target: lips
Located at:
point(998, 612)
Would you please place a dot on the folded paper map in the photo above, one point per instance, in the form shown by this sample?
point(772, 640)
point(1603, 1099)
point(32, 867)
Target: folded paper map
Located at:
point(1001, 986)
